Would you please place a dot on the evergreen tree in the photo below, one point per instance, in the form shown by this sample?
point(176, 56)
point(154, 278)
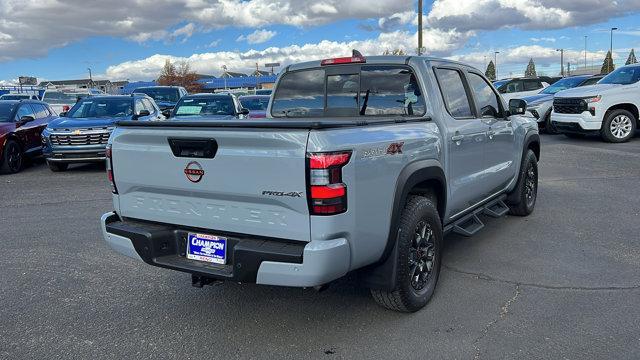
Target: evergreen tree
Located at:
point(490, 73)
point(607, 65)
point(531, 69)
point(632, 58)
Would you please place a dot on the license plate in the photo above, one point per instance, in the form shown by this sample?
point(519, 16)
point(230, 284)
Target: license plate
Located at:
point(208, 248)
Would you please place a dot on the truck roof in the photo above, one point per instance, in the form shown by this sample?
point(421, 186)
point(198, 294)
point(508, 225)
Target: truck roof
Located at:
point(386, 59)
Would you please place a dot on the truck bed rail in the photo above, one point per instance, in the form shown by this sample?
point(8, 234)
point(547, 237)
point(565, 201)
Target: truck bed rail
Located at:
point(311, 123)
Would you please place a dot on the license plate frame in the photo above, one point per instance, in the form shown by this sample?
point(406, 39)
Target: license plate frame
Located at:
point(207, 248)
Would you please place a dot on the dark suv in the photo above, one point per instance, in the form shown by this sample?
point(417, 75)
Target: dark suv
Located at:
point(21, 123)
point(165, 96)
point(81, 135)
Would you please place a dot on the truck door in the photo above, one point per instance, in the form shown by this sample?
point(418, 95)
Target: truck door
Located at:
point(466, 138)
point(500, 152)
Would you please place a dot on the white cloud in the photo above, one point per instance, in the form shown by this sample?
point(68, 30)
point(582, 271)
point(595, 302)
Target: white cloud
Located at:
point(437, 42)
point(514, 60)
point(257, 37)
point(397, 20)
point(214, 43)
point(60, 22)
point(525, 14)
point(547, 39)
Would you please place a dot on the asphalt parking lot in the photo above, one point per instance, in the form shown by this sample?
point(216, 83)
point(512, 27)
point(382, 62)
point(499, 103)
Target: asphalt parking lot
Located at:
point(563, 283)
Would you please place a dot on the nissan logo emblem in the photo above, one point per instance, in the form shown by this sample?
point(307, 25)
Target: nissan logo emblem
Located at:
point(194, 172)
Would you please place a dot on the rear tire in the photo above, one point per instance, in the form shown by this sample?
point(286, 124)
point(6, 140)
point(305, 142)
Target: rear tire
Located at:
point(618, 126)
point(419, 251)
point(522, 200)
point(57, 167)
point(12, 158)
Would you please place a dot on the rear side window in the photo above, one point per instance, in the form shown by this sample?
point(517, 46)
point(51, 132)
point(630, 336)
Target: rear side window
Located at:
point(300, 94)
point(371, 91)
point(514, 87)
point(40, 111)
point(530, 85)
point(454, 93)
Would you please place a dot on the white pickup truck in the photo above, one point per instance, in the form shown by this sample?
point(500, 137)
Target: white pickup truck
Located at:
point(609, 108)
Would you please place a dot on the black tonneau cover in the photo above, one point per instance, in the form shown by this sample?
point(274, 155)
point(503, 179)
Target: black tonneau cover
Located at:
point(307, 123)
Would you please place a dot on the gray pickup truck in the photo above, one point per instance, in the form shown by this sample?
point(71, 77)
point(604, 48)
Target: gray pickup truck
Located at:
point(361, 167)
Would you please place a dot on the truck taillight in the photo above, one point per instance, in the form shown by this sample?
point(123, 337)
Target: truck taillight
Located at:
point(112, 180)
point(327, 192)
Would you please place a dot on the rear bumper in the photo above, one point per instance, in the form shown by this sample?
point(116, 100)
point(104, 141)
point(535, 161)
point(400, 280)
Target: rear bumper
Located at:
point(249, 259)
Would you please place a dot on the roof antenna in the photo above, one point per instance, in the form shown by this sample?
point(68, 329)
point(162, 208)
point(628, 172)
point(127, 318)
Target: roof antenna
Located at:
point(356, 53)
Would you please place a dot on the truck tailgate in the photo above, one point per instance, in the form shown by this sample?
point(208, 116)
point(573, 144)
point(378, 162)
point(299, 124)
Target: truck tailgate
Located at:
point(254, 184)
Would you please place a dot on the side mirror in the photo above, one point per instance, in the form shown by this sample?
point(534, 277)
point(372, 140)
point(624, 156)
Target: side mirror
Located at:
point(244, 111)
point(166, 113)
point(140, 114)
point(517, 107)
point(25, 119)
point(63, 114)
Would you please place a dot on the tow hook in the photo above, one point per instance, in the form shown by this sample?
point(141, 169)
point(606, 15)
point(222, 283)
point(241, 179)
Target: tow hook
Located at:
point(200, 281)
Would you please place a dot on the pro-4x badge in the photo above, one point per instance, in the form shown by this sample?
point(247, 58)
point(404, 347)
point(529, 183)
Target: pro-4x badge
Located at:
point(395, 148)
point(194, 171)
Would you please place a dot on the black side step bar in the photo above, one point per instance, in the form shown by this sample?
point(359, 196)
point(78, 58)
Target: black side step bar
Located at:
point(470, 224)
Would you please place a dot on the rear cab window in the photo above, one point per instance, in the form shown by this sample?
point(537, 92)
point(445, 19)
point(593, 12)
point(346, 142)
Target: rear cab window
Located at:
point(349, 91)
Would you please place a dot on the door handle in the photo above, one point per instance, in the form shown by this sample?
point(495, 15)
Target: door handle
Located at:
point(457, 137)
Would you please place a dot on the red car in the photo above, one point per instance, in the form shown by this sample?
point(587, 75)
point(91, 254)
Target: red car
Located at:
point(21, 123)
point(257, 105)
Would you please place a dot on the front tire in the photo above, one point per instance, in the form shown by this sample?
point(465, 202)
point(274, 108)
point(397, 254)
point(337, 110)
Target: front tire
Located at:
point(522, 200)
point(12, 158)
point(419, 251)
point(619, 126)
point(549, 128)
point(57, 167)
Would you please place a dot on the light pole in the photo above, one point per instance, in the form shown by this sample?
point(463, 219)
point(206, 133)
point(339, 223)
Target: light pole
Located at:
point(90, 77)
point(611, 50)
point(419, 27)
point(224, 75)
point(561, 61)
point(495, 62)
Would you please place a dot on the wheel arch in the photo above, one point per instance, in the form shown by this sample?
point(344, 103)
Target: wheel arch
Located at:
point(531, 142)
point(423, 177)
point(632, 108)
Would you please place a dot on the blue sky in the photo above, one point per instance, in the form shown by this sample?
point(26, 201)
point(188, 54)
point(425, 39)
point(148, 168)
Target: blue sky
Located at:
point(66, 40)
